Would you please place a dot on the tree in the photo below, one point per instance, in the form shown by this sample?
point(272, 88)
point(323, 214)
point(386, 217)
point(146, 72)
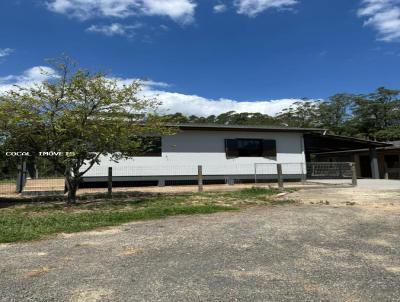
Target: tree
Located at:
point(83, 114)
point(376, 111)
point(303, 114)
point(176, 118)
point(388, 134)
point(373, 116)
point(335, 113)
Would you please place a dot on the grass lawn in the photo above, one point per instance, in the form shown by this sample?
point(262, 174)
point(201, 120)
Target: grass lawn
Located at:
point(35, 221)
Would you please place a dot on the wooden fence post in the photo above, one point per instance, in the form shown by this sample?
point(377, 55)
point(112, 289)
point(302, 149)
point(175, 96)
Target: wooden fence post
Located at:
point(24, 174)
point(109, 181)
point(255, 173)
point(353, 174)
point(280, 176)
point(386, 174)
point(200, 177)
point(303, 173)
point(21, 177)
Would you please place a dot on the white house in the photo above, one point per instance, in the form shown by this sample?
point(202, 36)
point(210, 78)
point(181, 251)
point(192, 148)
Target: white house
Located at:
point(225, 152)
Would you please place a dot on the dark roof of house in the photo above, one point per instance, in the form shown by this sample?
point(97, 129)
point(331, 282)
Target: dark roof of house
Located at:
point(358, 150)
point(255, 128)
point(395, 143)
point(329, 144)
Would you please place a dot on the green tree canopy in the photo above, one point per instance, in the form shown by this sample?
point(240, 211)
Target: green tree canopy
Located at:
point(83, 113)
point(371, 116)
point(376, 112)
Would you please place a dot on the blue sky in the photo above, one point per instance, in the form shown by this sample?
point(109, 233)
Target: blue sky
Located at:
point(209, 56)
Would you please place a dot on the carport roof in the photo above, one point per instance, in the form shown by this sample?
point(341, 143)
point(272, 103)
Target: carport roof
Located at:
point(320, 143)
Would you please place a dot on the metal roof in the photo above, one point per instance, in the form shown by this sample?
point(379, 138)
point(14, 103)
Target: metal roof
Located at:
point(388, 148)
point(319, 143)
point(256, 128)
point(395, 143)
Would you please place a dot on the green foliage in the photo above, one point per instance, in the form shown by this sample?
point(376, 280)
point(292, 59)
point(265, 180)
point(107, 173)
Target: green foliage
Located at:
point(388, 134)
point(370, 116)
point(376, 111)
point(335, 113)
point(83, 113)
point(35, 221)
point(227, 118)
point(302, 114)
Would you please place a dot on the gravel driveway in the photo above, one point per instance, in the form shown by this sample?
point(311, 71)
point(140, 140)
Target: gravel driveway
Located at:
point(305, 252)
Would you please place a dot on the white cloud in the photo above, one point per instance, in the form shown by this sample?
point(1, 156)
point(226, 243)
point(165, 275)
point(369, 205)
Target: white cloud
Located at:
point(252, 8)
point(384, 16)
point(152, 84)
point(4, 52)
point(147, 84)
point(178, 10)
point(115, 29)
point(181, 11)
point(28, 78)
point(172, 102)
point(219, 8)
point(193, 104)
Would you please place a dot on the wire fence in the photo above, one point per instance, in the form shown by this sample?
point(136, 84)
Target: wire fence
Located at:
point(329, 170)
point(8, 177)
point(8, 185)
point(290, 171)
point(42, 179)
point(334, 173)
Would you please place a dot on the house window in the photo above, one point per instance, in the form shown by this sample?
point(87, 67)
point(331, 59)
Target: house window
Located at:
point(250, 148)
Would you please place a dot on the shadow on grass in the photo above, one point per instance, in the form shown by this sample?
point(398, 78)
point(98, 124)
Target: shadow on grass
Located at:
point(37, 220)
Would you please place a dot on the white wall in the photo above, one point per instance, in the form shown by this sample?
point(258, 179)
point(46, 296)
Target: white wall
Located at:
point(183, 152)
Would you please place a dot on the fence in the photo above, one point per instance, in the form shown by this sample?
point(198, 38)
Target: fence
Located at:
point(392, 173)
point(8, 177)
point(332, 172)
point(41, 179)
point(8, 184)
point(286, 171)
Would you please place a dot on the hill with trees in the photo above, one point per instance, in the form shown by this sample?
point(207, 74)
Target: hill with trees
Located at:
point(374, 116)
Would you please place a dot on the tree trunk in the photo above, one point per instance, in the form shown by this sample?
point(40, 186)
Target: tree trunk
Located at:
point(72, 186)
point(72, 193)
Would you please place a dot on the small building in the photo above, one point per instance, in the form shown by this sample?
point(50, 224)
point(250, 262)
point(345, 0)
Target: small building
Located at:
point(387, 160)
point(226, 153)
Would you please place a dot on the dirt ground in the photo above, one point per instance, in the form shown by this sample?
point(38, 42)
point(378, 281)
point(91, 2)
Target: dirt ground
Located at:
point(57, 185)
point(336, 244)
point(46, 186)
point(383, 194)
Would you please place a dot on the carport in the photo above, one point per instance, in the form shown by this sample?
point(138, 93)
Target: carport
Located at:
point(327, 147)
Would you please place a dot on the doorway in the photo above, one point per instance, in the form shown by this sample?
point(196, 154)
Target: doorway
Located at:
point(392, 166)
point(365, 166)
